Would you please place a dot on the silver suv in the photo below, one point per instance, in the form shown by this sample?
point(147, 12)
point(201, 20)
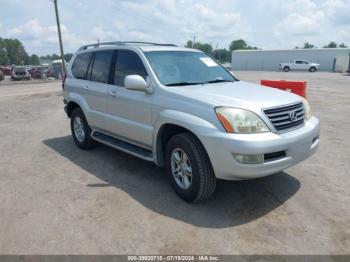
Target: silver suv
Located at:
point(182, 110)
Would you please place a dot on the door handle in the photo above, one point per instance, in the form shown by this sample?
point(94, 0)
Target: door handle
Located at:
point(113, 93)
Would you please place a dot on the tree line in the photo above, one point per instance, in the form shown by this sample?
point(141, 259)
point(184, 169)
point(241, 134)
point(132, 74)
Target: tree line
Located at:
point(222, 55)
point(12, 52)
point(331, 44)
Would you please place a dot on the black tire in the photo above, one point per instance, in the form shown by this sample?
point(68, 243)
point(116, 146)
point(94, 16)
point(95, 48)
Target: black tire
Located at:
point(286, 69)
point(203, 177)
point(87, 142)
point(312, 69)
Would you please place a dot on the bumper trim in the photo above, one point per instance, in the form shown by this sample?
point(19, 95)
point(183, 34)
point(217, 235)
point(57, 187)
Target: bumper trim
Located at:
point(298, 145)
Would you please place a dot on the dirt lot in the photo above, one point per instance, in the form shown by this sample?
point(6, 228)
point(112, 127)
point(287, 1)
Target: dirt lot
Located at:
point(57, 199)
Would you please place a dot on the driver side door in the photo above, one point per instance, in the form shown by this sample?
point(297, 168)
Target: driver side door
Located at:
point(129, 111)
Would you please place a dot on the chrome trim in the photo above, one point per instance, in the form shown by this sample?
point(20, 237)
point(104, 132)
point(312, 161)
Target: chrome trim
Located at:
point(280, 117)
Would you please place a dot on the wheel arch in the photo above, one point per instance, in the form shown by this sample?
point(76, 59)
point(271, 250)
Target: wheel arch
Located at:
point(171, 125)
point(71, 106)
point(75, 100)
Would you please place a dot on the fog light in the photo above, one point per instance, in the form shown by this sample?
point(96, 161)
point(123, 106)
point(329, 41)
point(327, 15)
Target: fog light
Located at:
point(249, 159)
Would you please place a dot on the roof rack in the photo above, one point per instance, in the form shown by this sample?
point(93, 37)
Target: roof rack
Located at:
point(122, 43)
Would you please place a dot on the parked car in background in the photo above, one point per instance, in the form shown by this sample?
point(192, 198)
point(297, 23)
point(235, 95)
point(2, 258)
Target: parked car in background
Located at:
point(227, 66)
point(38, 72)
point(6, 69)
point(20, 73)
point(49, 72)
point(180, 109)
point(2, 76)
point(300, 65)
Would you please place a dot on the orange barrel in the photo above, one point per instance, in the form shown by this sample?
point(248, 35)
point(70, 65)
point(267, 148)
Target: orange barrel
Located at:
point(296, 87)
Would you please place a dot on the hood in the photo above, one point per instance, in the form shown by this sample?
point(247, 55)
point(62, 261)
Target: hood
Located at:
point(237, 94)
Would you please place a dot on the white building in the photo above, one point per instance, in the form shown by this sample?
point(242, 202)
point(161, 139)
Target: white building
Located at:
point(330, 59)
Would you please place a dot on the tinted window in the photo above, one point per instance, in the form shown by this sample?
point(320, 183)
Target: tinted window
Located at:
point(128, 63)
point(100, 68)
point(80, 65)
point(298, 62)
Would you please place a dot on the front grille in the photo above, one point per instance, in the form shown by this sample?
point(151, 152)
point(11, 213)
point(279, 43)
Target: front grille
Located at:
point(286, 117)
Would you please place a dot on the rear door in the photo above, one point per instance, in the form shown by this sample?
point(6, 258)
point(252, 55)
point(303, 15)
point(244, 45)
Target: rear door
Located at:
point(78, 83)
point(129, 111)
point(91, 71)
point(96, 88)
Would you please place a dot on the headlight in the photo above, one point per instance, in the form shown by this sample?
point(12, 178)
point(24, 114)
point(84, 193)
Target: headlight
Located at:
point(236, 120)
point(307, 109)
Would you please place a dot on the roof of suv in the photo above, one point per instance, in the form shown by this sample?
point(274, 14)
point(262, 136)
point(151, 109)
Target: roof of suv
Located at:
point(144, 46)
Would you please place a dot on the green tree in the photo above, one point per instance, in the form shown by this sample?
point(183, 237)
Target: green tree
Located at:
point(343, 46)
point(331, 45)
point(307, 45)
point(240, 44)
point(50, 57)
point(15, 51)
point(189, 44)
point(34, 60)
point(206, 48)
point(222, 55)
point(68, 57)
point(4, 59)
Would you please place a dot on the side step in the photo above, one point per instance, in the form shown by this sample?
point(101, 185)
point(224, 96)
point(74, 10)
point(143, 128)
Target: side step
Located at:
point(122, 145)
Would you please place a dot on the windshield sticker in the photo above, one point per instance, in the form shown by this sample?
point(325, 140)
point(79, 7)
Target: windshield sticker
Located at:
point(208, 61)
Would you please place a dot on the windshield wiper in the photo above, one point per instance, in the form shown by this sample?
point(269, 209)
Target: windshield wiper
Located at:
point(184, 84)
point(218, 81)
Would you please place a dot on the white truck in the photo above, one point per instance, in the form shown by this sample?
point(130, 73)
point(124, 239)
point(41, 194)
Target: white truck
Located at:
point(300, 65)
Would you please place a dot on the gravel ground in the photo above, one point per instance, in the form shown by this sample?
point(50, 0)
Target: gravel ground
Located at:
point(57, 199)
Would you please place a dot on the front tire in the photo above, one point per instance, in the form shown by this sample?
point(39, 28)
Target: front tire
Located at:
point(312, 69)
point(189, 168)
point(81, 130)
point(286, 69)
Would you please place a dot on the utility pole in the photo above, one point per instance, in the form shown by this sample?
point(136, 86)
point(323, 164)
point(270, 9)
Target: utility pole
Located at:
point(194, 40)
point(60, 36)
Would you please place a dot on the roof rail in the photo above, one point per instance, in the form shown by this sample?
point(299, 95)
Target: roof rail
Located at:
point(121, 43)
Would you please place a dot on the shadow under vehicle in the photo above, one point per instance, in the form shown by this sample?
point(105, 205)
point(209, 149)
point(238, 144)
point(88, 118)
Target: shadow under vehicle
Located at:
point(233, 204)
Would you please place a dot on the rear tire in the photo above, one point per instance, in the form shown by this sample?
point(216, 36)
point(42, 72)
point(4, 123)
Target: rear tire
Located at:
point(185, 153)
point(312, 69)
point(286, 69)
point(81, 130)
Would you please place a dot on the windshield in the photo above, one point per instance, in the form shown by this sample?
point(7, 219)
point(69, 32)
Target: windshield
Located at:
point(175, 68)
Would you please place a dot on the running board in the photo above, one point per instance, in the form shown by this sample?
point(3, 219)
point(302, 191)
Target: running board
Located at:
point(122, 145)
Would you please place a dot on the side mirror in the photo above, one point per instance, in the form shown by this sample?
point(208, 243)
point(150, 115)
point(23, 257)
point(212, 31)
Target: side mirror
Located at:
point(137, 83)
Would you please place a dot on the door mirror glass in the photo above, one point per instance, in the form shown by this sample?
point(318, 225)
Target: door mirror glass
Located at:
point(136, 82)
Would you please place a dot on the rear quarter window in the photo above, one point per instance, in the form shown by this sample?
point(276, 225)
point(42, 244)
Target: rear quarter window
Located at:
point(80, 65)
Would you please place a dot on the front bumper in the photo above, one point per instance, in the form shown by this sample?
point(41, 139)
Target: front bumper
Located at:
point(298, 145)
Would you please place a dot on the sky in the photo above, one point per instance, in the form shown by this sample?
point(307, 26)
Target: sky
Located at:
point(267, 24)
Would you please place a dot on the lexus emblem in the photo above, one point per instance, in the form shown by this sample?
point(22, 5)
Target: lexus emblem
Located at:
point(293, 115)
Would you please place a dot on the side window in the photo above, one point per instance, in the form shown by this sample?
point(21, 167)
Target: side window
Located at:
point(80, 65)
point(128, 63)
point(101, 65)
point(298, 62)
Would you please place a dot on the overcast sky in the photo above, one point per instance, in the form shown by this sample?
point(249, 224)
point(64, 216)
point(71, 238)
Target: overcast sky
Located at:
point(268, 24)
